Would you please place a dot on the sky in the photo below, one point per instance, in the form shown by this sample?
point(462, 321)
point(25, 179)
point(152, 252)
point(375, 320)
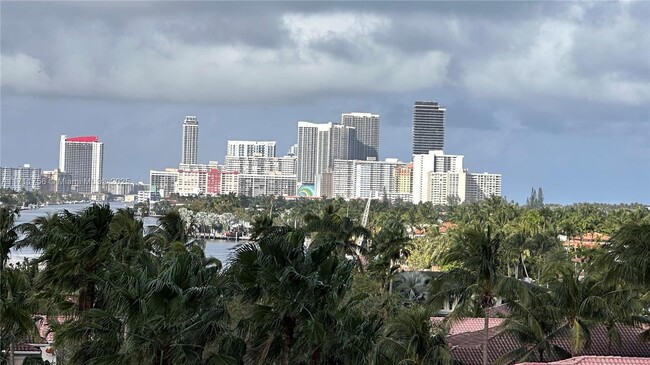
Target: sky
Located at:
point(549, 94)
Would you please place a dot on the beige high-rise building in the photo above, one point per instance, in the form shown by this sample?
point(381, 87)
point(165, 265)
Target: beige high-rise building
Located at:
point(446, 187)
point(403, 176)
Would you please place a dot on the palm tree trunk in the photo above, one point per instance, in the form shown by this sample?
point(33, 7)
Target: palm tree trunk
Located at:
point(485, 339)
point(287, 339)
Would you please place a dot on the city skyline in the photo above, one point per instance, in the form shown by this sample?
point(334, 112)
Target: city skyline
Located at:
point(544, 105)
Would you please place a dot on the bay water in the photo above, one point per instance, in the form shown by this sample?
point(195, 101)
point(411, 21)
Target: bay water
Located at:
point(220, 249)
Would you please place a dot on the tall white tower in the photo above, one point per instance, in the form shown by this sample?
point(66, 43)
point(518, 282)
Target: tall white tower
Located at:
point(82, 158)
point(313, 150)
point(190, 141)
point(367, 134)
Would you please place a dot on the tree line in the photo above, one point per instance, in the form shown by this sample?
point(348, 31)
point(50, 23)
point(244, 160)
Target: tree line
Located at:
point(315, 287)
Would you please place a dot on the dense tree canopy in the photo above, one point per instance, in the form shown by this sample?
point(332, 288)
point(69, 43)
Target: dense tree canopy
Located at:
point(315, 287)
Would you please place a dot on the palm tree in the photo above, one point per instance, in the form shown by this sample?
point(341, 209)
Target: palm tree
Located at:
point(410, 338)
point(389, 246)
point(341, 231)
point(74, 246)
point(628, 255)
point(576, 300)
point(536, 327)
point(172, 228)
point(293, 290)
point(477, 280)
point(8, 234)
point(126, 234)
point(158, 312)
point(16, 311)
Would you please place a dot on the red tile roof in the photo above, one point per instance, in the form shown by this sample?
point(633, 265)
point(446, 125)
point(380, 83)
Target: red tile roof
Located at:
point(598, 360)
point(467, 347)
point(466, 325)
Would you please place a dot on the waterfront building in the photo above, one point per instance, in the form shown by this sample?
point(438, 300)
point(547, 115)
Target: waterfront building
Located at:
point(163, 182)
point(251, 148)
point(190, 147)
point(428, 127)
point(482, 185)
point(313, 150)
point(195, 179)
point(20, 178)
point(366, 145)
point(364, 179)
point(433, 161)
point(261, 165)
point(259, 185)
point(118, 187)
point(82, 158)
point(55, 181)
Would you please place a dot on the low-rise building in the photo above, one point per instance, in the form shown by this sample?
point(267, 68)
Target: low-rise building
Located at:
point(258, 185)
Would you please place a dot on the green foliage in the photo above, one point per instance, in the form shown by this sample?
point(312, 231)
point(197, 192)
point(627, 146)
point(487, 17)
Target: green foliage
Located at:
point(300, 292)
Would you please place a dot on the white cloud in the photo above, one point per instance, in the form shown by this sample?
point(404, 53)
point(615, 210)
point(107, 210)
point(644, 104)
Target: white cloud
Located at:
point(546, 66)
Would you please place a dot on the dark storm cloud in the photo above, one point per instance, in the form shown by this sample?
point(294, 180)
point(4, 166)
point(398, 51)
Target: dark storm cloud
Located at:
point(503, 69)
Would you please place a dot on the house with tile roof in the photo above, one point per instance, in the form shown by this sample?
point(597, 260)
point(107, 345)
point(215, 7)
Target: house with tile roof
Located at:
point(596, 360)
point(466, 341)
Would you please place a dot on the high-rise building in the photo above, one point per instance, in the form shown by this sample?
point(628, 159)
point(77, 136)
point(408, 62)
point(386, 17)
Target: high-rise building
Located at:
point(163, 182)
point(482, 186)
point(314, 151)
point(119, 187)
point(343, 142)
point(251, 148)
point(259, 185)
point(293, 150)
point(432, 161)
point(403, 176)
point(20, 178)
point(190, 147)
point(56, 181)
point(261, 165)
point(428, 127)
point(83, 159)
point(195, 179)
point(364, 179)
point(367, 134)
point(446, 187)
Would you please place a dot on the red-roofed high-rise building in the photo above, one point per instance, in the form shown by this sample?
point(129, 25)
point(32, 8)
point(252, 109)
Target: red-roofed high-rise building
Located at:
point(83, 159)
